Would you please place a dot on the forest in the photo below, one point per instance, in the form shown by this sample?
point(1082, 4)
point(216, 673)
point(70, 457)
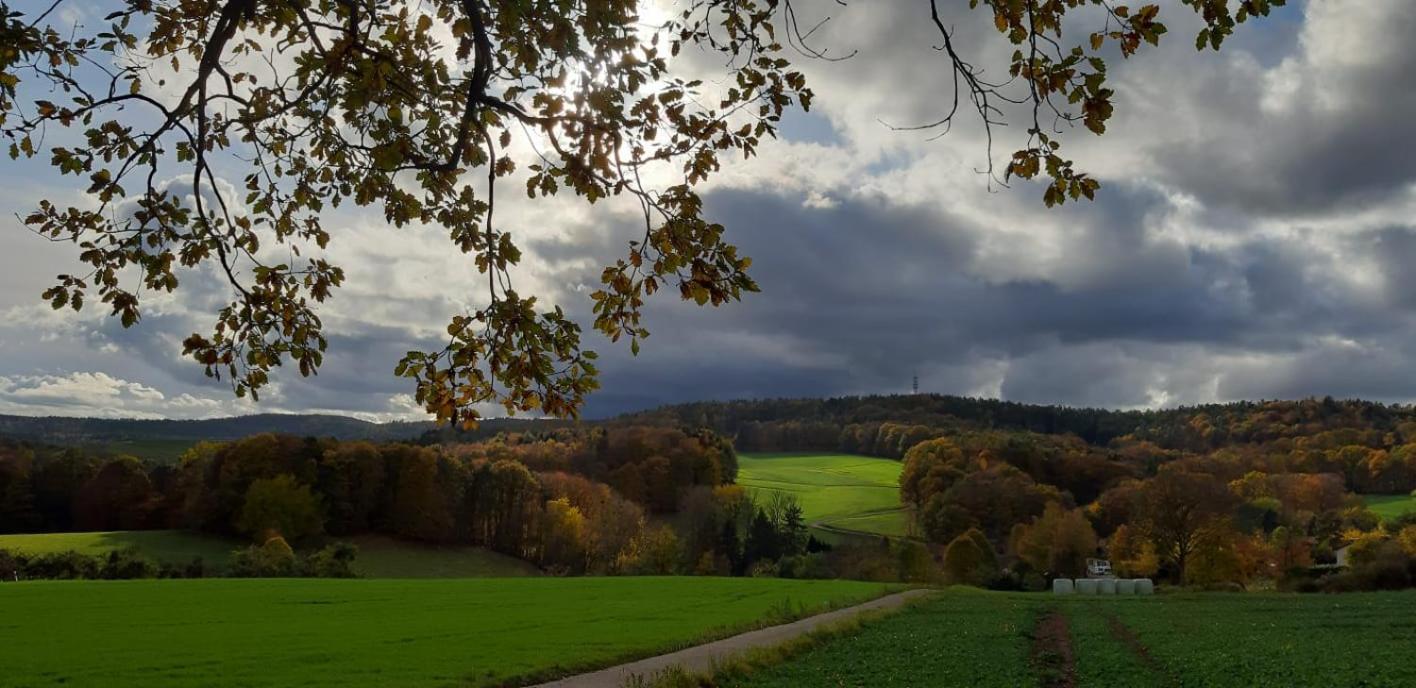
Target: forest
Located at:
point(999, 494)
point(607, 501)
point(1216, 495)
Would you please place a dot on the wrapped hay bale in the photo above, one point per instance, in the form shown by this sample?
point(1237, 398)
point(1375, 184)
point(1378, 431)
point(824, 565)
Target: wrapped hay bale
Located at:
point(1106, 586)
point(1062, 586)
point(1126, 587)
point(1144, 586)
point(1087, 586)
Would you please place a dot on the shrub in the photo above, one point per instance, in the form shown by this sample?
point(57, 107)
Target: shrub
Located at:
point(272, 559)
point(126, 564)
point(61, 566)
point(333, 561)
point(916, 563)
point(1385, 567)
point(865, 561)
point(763, 569)
point(9, 566)
point(969, 560)
point(655, 551)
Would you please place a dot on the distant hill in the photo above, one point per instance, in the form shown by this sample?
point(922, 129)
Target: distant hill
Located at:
point(72, 431)
point(1196, 428)
point(795, 424)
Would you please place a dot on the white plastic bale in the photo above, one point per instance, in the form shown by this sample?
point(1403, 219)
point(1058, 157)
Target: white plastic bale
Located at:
point(1106, 586)
point(1125, 586)
point(1086, 586)
point(1144, 586)
point(1063, 586)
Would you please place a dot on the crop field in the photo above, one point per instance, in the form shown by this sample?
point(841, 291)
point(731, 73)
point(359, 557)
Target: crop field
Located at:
point(379, 557)
point(954, 639)
point(1390, 506)
point(836, 491)
point(973, 638)
point(349, 633)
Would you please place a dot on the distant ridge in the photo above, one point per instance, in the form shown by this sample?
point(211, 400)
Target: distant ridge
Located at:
point(66, 430)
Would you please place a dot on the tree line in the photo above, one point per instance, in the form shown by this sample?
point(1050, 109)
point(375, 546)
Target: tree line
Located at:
point(617, 500)
point(1211, 495)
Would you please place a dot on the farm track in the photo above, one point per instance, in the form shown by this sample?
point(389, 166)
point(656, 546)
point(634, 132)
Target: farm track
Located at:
point(1126, 636)
point(830, 523)
point(703, 658)
point(1052, 651)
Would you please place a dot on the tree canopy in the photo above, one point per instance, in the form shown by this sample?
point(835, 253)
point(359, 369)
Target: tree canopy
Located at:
point(419, 109)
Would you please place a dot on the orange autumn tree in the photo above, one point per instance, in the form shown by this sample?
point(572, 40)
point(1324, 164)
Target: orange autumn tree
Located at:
point(1057, 543)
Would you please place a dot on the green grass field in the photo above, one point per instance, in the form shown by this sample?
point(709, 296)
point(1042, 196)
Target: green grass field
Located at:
point(350, 633)
point(1390, 506)
point(174, 546)
point(974, 638)
point(156, 451)
point(836, 491)
point(384, 557)
point(379, 557)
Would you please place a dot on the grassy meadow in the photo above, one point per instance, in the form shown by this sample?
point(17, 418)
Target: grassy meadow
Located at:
point(171, 546)
point(836, 491)
point(385, 557)
point(379, 556)
point(1390, 506)
point(984, 639)
point(352, 633)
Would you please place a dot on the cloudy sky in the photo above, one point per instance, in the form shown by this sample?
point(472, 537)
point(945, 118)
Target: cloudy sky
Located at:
point(1255, 238)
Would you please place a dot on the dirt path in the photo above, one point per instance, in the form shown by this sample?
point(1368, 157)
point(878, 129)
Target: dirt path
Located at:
point(702, 657)
point(1127, 637)
point(1052, 651)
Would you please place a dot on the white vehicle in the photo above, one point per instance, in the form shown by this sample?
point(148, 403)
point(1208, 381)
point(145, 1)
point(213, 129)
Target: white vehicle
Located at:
point(1099, 568)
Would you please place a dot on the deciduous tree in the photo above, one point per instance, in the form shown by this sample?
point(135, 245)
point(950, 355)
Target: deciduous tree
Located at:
point(280, 507)
point(418, 111)
point(1175, 507)
point(1057, 543)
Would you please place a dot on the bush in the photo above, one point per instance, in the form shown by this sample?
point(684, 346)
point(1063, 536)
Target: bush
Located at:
point(61, 566)
point(1387, 567)
point(866, 561)
point(763, 569)
point(9, 566)
point(814, 565)
point(970, 560)
point(274, 559)
point(333, 561)
point(126, 564)
point(916, 563)
point(1034, 582)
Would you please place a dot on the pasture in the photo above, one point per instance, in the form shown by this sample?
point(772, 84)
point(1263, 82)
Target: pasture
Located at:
point(974, 638)
point(170, 546)
point(379, 556)
point(836, 491)
point(350, 633)
point(385, 557)
point(1390, 506)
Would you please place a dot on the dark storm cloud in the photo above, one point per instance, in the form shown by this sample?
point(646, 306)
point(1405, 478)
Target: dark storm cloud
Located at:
point(857, 297)
point(1318, 133)
point(1253, 240)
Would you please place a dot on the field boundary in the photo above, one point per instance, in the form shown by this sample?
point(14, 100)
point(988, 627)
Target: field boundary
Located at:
point(708, 656)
